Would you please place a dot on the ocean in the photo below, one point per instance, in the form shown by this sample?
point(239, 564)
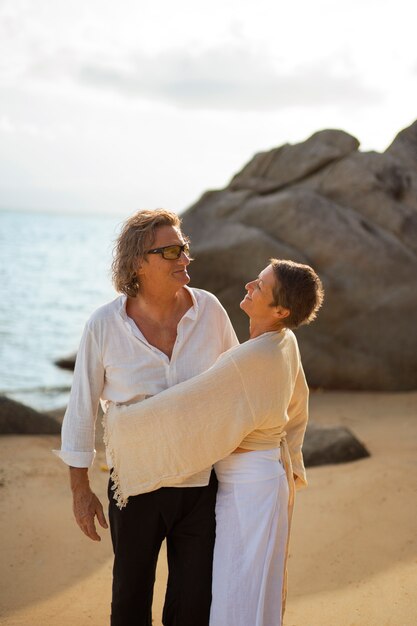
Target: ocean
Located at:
point(54, 272)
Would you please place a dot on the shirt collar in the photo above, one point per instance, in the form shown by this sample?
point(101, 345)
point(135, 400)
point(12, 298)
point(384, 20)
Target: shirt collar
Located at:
point(192, 312)
point(122, 307)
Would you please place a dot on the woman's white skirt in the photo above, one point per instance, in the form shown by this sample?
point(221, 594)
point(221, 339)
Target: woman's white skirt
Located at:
point(251, 539)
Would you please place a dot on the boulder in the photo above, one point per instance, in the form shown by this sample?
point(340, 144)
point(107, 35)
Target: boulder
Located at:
point(353, 217)
point(66, 362)
point(18, 419)
point(404, 150)
point(330, 445)
point(269, 171)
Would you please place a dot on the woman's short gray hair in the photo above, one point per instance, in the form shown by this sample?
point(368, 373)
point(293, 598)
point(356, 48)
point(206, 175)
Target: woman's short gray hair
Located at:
point(297, 288)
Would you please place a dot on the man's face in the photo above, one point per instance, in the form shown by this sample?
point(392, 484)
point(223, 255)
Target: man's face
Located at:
point(167, 273)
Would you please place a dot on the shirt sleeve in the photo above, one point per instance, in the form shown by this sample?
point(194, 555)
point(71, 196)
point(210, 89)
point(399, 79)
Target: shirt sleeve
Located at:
point(78, 427)
point(296, 427)
point(226, 330)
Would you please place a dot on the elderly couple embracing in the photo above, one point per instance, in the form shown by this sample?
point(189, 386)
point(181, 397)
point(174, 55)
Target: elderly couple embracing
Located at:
point(203, 435)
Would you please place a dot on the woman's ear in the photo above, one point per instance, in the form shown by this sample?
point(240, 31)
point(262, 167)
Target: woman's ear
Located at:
point(281, 312)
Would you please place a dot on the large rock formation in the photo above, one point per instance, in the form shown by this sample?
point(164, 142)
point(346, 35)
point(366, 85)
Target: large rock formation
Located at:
point(19, 419)
point(353, 217)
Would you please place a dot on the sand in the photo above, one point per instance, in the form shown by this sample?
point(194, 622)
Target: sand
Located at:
point(353, 558)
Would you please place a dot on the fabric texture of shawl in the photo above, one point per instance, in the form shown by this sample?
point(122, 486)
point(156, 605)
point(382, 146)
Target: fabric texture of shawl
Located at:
point(257, 387)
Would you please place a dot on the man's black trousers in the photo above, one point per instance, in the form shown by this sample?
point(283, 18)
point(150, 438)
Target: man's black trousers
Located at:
point(185, 517)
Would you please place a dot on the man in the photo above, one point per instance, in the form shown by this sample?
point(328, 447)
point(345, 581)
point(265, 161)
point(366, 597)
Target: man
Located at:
point(157, 334)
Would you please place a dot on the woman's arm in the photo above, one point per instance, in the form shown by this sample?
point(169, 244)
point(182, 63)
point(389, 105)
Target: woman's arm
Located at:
point(296, 427)
point(185, 429)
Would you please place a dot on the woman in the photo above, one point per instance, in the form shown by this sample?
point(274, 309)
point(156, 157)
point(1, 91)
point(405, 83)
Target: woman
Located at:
point(249, 409)
point(157, 333)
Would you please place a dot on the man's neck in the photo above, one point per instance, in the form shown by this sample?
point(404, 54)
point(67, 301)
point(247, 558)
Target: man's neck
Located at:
point(160, 308)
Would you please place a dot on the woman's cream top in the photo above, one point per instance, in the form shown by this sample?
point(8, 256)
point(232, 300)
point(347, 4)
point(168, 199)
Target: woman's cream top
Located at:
point(254, 397)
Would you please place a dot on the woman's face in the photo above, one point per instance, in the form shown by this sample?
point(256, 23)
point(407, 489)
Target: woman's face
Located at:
point(258, 302)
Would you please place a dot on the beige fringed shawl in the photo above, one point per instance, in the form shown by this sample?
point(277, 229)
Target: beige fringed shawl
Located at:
point(255, 396)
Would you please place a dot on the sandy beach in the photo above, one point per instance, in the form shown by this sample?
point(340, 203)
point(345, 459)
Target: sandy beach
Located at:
point(353, 557)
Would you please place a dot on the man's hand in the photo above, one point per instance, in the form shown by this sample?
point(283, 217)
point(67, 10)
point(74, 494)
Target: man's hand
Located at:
point(86, 505)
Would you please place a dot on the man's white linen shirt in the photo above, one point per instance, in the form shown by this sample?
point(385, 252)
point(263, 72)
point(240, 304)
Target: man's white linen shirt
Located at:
point(115, 363)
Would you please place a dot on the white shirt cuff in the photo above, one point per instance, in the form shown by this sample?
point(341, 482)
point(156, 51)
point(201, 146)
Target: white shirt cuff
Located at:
point(76, 459)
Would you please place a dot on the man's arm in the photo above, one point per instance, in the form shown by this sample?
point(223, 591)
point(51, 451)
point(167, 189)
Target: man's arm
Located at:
point(78, 432)
point(86, 505)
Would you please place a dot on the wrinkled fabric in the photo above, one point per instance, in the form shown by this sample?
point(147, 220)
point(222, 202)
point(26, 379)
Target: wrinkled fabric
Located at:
point(251, 540)
point(116, 363)
point(258, 387)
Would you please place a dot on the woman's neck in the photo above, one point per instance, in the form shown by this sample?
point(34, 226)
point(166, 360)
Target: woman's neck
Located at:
point(256, 329)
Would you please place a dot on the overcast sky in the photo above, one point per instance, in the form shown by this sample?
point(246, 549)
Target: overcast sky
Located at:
point(116, 106)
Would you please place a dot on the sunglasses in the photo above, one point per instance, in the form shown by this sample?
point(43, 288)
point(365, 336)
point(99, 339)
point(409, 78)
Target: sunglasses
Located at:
point(171, 252)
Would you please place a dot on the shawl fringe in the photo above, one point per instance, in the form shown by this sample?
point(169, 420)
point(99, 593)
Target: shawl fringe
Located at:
point(121, 501)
